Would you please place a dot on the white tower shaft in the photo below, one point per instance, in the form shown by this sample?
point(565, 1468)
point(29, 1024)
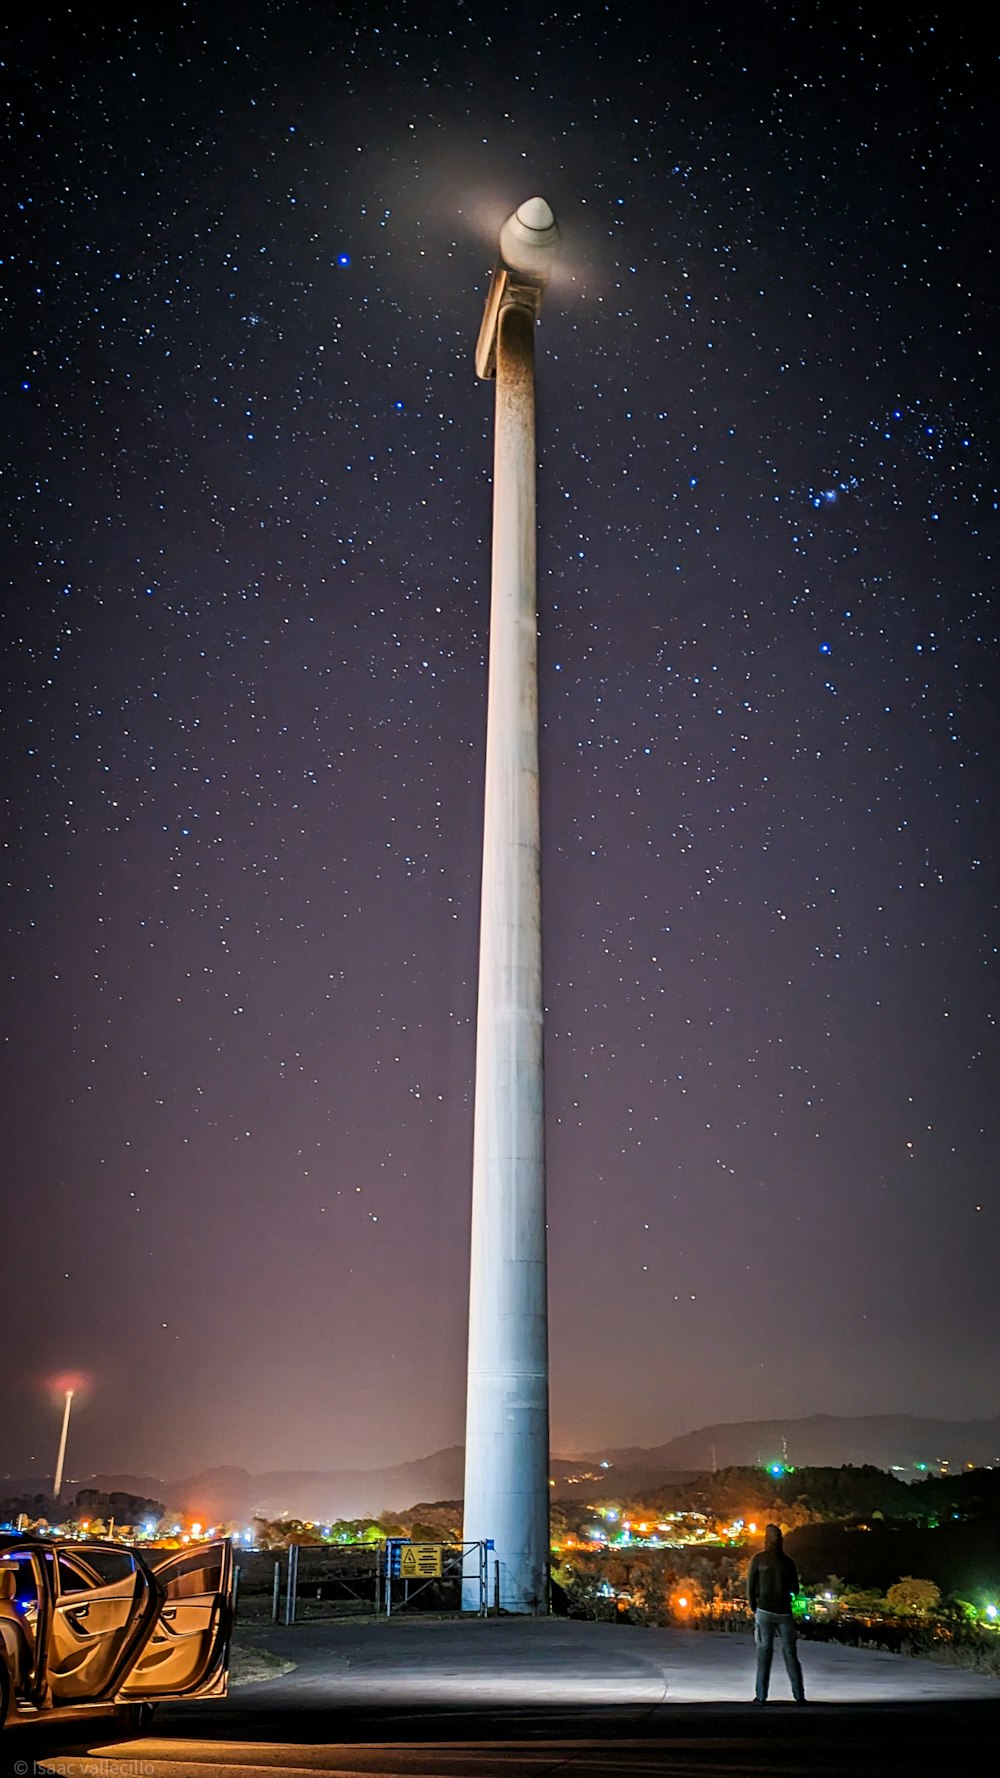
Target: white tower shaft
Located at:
point(507, 1426)
point(61, 1458)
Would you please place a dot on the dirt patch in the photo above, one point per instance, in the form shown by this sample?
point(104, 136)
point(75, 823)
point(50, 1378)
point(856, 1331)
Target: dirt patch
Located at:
point(248, 1666)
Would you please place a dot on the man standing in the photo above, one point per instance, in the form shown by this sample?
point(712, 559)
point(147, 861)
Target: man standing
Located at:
point(772, 1582)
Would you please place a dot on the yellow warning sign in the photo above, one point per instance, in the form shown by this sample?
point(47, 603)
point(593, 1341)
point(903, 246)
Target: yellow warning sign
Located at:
point(420, 1560)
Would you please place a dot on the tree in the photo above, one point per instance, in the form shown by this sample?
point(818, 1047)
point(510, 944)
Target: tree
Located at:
point(445, 1515)
point(391, 1526)
point(586, 1592)
point(123, 1507)
point(34, 1508)
point(358, 1531)
point(422, 1532)
point(277, 1534)
point(913, 1597)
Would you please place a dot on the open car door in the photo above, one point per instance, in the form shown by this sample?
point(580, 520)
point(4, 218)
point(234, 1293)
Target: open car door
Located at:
point(103, 1611)
point(187, 1653)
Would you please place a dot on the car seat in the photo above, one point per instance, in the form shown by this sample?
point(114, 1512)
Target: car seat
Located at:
point(14, 1631)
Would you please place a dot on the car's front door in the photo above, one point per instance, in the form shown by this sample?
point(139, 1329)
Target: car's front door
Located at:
point(104, 1609)
point(187, 1654)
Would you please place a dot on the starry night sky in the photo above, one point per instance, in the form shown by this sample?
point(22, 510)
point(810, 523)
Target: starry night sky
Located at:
point(245, 629)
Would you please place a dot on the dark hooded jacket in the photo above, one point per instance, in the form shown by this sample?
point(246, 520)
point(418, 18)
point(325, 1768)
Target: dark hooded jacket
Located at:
point(772, 1578)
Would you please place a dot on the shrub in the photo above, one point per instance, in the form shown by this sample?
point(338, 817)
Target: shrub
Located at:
point(913, 1598)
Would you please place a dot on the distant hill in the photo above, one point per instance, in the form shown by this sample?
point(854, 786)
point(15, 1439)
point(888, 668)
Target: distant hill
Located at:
point(223, 1494)
point(890, 1441)
point(900, 1442)
point(229, 1493)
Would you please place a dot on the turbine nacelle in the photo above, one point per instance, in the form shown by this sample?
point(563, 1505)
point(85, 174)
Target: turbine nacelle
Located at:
point(528, 241)
point(527, 248)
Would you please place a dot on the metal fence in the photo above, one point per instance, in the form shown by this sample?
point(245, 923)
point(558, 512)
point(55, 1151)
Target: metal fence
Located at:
point(309, 1582)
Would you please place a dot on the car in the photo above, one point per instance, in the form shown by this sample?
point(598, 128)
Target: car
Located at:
point(98, 1627)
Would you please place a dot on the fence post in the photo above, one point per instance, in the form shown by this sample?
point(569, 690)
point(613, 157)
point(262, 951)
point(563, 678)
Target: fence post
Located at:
point(292, 1582)
point(276, 1592)
point(236, 1589)
point(496, 1586)
point(378, 1577)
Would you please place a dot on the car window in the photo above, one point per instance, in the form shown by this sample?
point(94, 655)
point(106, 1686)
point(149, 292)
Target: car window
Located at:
point(74, 1575)
point(94, 1568)
point(197, 1571)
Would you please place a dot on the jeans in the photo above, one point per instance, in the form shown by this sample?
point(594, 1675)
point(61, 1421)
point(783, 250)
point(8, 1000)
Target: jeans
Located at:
point(766, 1624)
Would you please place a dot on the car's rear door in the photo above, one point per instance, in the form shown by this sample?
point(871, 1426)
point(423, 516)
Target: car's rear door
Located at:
point(187, 1655)
point(104, 1609)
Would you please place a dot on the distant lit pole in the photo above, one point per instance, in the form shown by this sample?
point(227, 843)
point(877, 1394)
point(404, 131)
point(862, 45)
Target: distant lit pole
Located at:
point(61, 1459)
point(507, 1413)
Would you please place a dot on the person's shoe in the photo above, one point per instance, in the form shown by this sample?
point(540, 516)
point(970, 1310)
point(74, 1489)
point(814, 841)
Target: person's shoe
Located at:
point(760, 1700)
point(802, 1700)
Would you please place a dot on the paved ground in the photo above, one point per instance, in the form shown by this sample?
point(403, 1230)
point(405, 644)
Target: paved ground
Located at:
point(548, 1700)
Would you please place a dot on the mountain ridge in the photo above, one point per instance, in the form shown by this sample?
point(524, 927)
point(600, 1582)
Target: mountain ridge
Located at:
point(901, 1442)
